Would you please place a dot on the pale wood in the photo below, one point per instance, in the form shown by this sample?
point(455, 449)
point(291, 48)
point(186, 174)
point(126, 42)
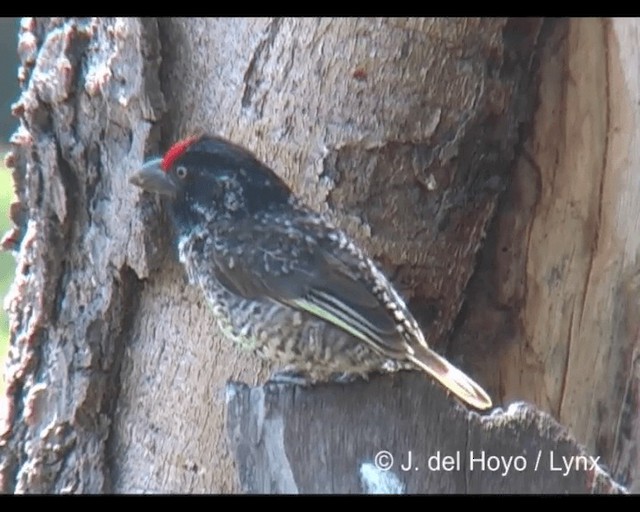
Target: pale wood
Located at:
point(562, 262)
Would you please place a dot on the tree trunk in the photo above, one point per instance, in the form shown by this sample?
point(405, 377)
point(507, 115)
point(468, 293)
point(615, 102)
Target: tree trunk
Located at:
point(405, 132)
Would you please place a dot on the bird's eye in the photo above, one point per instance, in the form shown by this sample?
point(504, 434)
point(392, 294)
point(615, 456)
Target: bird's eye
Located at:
point(181, 172)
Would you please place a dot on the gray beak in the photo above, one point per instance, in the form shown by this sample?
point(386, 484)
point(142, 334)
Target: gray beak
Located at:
point(152, 178)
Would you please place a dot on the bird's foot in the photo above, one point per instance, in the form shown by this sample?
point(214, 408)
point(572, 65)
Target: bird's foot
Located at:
point(344, 378)
point(289, 377)
point(298, 378)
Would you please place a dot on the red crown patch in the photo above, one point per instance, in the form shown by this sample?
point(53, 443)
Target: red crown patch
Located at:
point(175, 152)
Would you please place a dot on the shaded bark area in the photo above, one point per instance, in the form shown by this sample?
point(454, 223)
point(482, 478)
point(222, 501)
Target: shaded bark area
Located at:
point(401, 442)
point(556, 292)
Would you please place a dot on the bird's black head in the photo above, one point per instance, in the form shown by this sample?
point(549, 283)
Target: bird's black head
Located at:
point(209, 178)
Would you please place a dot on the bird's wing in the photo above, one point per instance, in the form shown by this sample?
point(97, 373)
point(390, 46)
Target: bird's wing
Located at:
point(301, 266)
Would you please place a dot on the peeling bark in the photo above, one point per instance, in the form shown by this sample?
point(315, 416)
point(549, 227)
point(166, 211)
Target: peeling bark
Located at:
point(85, 118)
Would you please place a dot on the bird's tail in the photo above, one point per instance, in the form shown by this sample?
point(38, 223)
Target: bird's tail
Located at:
point(450, 377)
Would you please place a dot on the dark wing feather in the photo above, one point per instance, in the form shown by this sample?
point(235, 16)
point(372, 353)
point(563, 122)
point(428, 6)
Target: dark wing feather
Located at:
point(298, 265)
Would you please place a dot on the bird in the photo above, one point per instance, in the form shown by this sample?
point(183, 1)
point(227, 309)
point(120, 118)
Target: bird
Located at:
point(281, 279)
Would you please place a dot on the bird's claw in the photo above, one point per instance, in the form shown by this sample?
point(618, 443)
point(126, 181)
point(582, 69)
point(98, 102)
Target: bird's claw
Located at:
point(289, 377)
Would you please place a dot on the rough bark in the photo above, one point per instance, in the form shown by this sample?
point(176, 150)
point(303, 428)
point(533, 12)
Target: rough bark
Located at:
point(85, 118)
point(403, 131)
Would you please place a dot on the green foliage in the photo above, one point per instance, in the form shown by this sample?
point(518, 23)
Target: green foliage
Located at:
point(7, 261)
